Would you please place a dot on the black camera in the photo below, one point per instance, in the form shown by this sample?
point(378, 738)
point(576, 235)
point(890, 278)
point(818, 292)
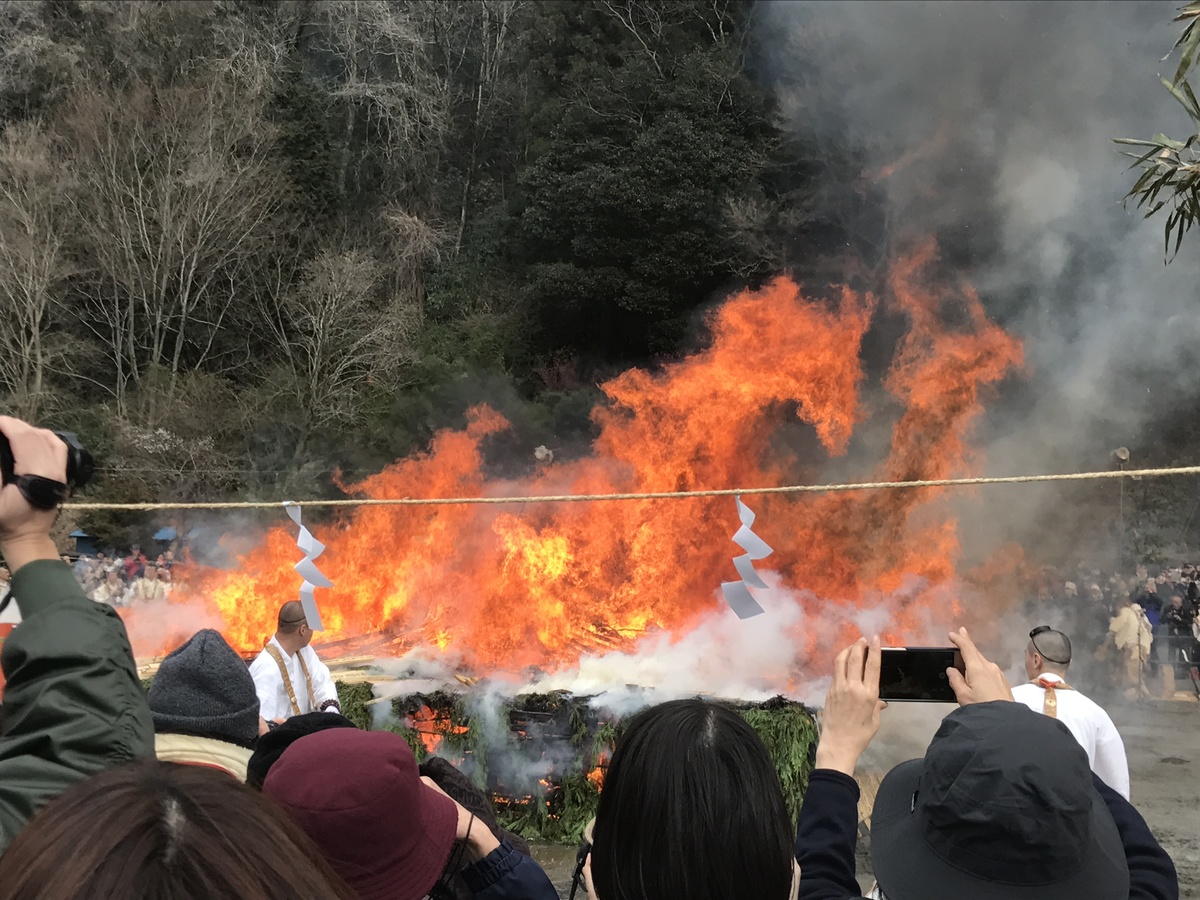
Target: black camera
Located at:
point(45, 493)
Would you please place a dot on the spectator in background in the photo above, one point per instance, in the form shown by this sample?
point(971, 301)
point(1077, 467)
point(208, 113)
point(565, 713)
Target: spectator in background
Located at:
point(1131, 635)
point(113, 591)
point(165, 582)
point(1148, 599)
point(135, 563)
point(148, 588)
point(1177, 628)
point(5, 580)
point(204, 705)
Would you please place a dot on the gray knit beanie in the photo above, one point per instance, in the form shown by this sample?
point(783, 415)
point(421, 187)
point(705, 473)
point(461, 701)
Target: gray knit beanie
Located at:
point(204, 688)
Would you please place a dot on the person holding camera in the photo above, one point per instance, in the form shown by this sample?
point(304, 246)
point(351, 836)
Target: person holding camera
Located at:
point(1002, 807)
point(73, 704)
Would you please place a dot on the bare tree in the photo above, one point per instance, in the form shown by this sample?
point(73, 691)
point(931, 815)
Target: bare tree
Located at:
point(177, 205)
point(382, 82)
point(33, 263)
point(474, 46)
point(338, 338)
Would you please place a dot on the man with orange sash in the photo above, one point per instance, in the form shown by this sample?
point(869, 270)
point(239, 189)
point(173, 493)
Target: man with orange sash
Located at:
point(288, 676)
point(1047, 657)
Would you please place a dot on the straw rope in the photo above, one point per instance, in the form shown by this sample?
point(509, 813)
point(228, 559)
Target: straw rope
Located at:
point(652, 495)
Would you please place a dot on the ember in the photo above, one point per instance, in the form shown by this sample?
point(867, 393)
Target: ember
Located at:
point(501, 589)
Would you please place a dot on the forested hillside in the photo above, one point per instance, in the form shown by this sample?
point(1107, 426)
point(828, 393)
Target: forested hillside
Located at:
point(244, 243)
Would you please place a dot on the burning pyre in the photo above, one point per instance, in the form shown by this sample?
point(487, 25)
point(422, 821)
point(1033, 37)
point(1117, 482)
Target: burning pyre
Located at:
point(500, 589)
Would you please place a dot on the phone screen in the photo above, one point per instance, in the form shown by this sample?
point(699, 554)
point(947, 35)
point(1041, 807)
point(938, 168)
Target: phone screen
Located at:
point(918, 674)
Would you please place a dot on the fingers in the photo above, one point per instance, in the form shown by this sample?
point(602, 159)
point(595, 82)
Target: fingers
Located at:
point(35, 451)
point(874, 661)
point(856, 661)
point(959, 685)
point(840, 667)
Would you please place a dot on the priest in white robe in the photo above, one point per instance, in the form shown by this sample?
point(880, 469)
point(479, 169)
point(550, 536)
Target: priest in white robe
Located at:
point(288, 675)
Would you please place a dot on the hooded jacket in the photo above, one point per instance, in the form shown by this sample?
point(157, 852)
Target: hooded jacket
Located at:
point(73, 704)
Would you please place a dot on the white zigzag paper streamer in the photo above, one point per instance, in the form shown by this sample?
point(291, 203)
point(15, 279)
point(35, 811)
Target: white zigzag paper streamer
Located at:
point(737, 593)
point(307, 568)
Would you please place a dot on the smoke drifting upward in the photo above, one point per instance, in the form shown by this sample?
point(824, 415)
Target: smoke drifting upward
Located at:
point(990, 127)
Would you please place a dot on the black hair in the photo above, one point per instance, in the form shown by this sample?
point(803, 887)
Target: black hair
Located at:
point(692, 807)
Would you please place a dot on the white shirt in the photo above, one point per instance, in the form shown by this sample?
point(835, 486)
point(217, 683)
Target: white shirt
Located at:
point(273, 699)
point(1092, 728)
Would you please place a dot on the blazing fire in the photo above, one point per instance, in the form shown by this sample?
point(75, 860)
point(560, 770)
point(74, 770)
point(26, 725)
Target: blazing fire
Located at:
point(507, 587)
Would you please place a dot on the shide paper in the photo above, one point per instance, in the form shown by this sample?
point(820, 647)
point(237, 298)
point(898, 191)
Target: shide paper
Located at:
point(737, 593)
point(307, 569)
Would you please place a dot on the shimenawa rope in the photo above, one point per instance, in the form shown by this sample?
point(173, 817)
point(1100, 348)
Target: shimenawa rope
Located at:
point(652, 495)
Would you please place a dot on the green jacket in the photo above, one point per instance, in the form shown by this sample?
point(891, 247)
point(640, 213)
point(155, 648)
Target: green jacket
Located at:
point(73, 704)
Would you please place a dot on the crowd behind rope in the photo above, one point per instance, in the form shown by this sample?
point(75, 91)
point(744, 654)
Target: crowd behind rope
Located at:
point(1142, 629)
point(185, 792)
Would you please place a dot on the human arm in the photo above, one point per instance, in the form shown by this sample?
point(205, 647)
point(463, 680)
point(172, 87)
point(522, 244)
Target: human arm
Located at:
point(828, 825)
point(1152, 875)
point(324, 690)
point(507, 874)
point(826, 834)
point(73, 704)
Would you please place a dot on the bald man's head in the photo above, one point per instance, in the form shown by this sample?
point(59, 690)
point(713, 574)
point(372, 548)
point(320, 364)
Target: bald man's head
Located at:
point(291, 617)
point(1049, 651)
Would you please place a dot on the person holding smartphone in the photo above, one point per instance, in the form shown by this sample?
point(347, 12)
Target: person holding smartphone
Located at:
point(1002, 807)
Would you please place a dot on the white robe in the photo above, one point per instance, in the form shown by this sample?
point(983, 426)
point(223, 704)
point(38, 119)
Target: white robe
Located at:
point(273, 699)
point(1092, 728)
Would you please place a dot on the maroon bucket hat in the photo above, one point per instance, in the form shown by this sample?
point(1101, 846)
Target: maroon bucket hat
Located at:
point(360, 798)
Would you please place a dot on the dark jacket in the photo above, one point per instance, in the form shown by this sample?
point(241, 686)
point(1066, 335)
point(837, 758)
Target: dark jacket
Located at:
point(505, 874)
point(1178, 622)
point(828, 828)
point(73, 704)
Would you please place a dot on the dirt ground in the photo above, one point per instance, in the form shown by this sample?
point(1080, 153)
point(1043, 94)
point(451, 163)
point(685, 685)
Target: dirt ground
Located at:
point(1162, 741)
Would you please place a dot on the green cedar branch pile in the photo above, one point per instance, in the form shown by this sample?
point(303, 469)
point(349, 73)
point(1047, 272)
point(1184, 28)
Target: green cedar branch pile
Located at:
point(788, 729)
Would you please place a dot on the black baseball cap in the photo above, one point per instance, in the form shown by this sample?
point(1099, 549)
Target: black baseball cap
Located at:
point(1002, 807)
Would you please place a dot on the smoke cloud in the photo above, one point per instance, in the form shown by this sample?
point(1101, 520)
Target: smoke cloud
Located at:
point(990, 126)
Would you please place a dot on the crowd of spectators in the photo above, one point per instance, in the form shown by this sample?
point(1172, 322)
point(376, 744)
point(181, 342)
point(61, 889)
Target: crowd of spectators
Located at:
point(1141, 628)
point(125, 580)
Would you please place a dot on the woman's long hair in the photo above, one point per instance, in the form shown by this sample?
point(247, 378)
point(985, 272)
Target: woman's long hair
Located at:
point(692, 807)
point(162, 831)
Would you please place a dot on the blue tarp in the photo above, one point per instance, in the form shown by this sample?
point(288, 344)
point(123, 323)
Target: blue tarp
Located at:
point(165, 534)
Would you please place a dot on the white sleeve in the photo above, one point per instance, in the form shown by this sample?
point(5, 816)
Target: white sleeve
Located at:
point(1110, 762)
point(322, 682)
point(266, 684)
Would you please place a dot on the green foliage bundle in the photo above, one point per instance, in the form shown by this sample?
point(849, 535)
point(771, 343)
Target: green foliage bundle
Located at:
point(559, 815)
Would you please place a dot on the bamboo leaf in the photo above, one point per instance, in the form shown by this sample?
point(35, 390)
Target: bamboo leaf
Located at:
point(1189, 41)
point(1164, 141)
point(1182, 98)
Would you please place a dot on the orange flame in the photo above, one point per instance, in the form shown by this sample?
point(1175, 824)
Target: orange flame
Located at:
point(514, 586)
point(432, 727)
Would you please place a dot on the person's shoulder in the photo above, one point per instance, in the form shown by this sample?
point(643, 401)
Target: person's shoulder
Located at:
point(1026, 692)
point(259, 660)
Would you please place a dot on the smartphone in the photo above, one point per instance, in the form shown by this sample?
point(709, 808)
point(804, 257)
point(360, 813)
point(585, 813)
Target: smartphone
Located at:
point(918, 674)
